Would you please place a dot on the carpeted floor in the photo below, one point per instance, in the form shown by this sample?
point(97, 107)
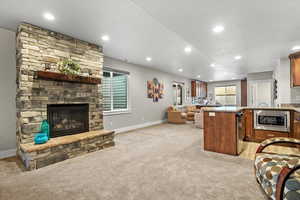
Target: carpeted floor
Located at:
point(160, 162)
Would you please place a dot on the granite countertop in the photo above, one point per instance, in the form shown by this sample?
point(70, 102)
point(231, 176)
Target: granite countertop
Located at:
point(237, 108)
point(222, 109)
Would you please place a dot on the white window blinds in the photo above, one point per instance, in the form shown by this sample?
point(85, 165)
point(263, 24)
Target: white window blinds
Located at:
point(115, 91)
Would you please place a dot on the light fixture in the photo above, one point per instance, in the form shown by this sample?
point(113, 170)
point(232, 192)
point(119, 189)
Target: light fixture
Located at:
point(210, 80)
point(49, 16)
point(212, 64)
point(149, 59)
point(238, 57)
point(198, 76)
point(180, 70)
point(218, 29)
point(295, 48)
point(188, 49)
point(105, 38)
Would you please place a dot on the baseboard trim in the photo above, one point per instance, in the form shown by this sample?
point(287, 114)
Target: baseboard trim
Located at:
point(138, 126)
point(8, 153)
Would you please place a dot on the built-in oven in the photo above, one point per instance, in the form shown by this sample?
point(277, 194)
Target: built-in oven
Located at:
point(273, 120)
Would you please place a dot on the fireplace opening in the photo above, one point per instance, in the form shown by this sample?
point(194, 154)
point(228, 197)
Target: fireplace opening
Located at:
point(68, 119)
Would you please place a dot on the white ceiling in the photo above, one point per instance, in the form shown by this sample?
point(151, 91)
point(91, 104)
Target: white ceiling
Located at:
point(260, 31)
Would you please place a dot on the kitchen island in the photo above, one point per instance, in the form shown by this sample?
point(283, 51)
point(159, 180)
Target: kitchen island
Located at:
point(226, 127)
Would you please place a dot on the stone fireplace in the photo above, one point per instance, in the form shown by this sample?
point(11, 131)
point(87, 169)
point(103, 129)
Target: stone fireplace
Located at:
point(72, 106)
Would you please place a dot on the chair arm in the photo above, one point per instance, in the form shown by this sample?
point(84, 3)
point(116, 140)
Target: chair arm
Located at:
point(282, 178)
point(276, 140)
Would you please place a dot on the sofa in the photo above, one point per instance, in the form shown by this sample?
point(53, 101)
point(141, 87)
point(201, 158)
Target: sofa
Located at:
point(278, 174)
point(190, 112)
point(175, 116)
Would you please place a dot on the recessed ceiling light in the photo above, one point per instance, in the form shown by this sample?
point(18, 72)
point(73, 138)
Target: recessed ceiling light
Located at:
point(218, 29)
point(105, 38)
point(212, 64)
point(188, 49)
point(49, 16)
point(198, 76)
point(238, 57)
point(232, 78)
point(180, 70)
point(210, 80)
point(295, 48)
point(148, 59)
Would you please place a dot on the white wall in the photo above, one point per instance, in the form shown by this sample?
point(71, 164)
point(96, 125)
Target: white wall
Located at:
point(286, 94)
point(142, 109)
point(7, 90)
point(211, 89)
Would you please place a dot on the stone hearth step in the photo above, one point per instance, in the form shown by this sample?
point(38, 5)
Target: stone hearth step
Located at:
point(65, 147)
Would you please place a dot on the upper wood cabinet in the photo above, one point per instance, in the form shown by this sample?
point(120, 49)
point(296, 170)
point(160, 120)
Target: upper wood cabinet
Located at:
point(295, 69)
point(193, 88)
point(244, 93)
point(198, 88)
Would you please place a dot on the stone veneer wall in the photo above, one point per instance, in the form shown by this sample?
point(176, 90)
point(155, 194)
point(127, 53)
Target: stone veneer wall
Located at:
point(39, 49)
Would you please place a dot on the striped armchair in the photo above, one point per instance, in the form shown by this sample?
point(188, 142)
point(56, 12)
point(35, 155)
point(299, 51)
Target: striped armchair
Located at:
point(278, 174)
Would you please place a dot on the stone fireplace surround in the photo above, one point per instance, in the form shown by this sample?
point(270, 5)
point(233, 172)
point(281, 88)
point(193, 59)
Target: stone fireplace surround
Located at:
point(39, 49)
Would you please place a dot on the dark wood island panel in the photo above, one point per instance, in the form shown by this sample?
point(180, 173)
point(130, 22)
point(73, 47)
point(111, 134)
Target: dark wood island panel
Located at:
point(220, 134)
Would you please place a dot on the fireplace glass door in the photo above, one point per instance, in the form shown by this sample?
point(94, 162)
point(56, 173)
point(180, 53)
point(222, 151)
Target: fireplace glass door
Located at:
point(68, 119)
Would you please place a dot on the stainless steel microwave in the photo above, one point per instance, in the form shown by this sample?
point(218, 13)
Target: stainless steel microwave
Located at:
point(274, 120)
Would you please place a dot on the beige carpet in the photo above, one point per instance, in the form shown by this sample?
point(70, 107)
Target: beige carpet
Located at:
point(161, 162)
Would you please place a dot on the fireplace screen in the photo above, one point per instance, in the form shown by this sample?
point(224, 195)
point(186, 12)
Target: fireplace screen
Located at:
point(68, 119)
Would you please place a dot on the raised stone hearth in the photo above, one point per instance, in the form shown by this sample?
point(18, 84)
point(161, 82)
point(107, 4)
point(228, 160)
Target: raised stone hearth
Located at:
point(38, 51)
point(62, 148)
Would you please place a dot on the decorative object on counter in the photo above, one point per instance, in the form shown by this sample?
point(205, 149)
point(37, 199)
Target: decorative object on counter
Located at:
point(43, 136)
point(278, 174)
point(155, 89)
point(68, 66)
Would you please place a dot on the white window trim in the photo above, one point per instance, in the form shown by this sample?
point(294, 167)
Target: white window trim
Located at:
point(119, 111)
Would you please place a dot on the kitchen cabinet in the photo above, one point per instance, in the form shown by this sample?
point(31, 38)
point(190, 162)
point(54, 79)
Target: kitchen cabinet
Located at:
point(295, 69)
point(193, 88)
point(248, 118)
point(198, 88)
point(220, 132)
point(255, 135)
point(296, 132)
point(297, 129)
point(244, 92)
point(261, 135)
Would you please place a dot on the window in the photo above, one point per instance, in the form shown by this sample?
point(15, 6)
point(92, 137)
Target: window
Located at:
point(225, 95)
point(178, 93)
point(115, 91)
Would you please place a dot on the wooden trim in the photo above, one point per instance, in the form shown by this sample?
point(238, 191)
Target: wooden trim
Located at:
point(67, 78)
point(284, 174)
